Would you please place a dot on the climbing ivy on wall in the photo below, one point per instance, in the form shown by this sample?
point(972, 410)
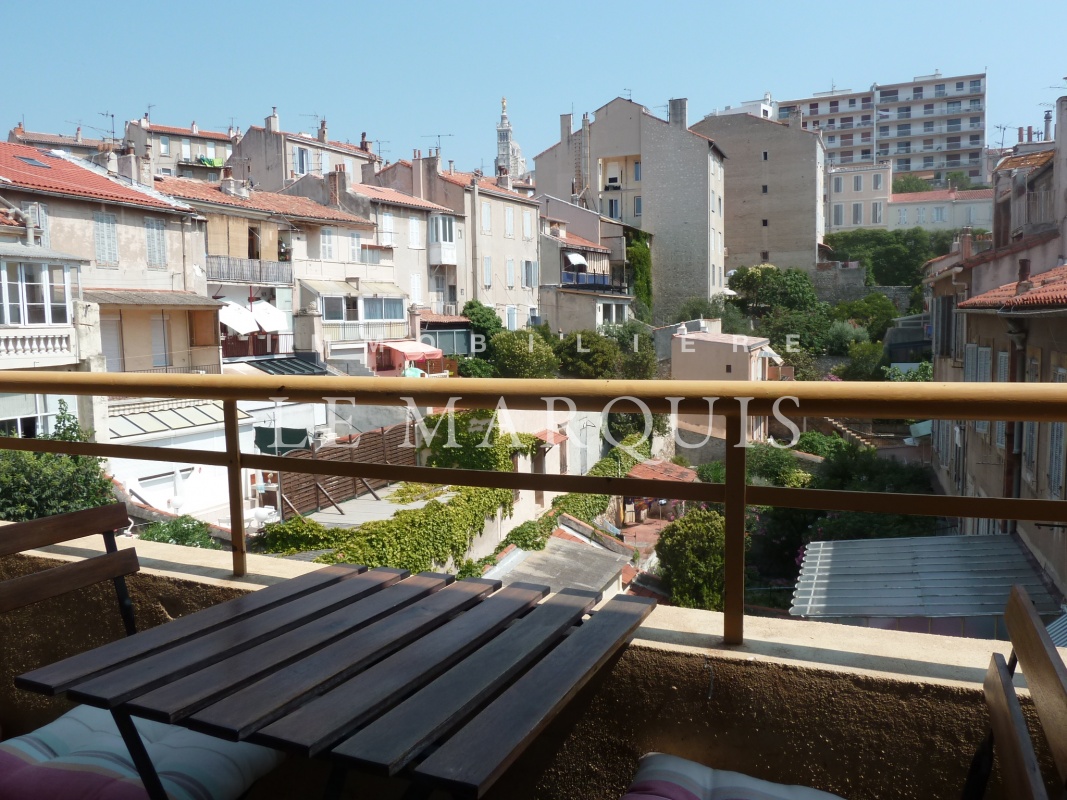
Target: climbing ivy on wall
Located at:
point(639, 256)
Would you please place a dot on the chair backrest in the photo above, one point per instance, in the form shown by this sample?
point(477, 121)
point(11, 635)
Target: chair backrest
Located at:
point(1046, 678)
point(114, 564)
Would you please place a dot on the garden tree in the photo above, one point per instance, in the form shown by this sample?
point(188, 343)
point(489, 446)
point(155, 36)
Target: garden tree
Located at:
point(730, 313)
point(522, 354)
point(638, 364)
point(766, 287)
point(587, 354)
point(803, 364)
point(864, 364)
point(907, 184)
point(892, 258)
point(959, 179)
point(841, 335)
point(923, 372)
point(875, 312)
point(639, 256)
point(804, 329)
point(476, 368)
point(484, 322)
point(34, 485)
point(691, 553)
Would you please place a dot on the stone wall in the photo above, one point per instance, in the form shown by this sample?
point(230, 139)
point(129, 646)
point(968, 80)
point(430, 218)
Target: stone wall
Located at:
point(835, 285)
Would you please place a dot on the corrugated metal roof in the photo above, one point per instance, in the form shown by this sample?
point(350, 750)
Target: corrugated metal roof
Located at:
point(937, 576)
point(1057, 630)
point(287, 366)
point(168, 419)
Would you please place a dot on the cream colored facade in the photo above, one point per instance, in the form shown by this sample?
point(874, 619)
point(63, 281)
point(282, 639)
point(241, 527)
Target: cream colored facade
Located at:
point(776, 184)
point(181, 152)
point(653, 175)
point(945, 210)
point(859, 196)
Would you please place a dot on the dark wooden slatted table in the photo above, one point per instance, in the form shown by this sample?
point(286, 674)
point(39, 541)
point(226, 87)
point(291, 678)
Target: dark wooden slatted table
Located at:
point(443, 682)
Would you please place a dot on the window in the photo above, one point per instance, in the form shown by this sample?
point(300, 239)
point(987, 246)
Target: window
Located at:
point(839, 214)
point(613, 208)
point(976, 85)
point(877, 180)
point(939, 214)
point(904, 164)
point(917, 93)
point(386, 229)
point(637, 206)
point(920, 215)
point(34, 294)
point(954, 107)
point(340, 309)
point(156, 242)
point(1029, 449)
point(529, 274)
point(904, 129)
point(416, 288)
point(928, 111)
point(764, 223)
point(301, 160)
point(985, 375)
point(959, 86)
point(487, 217)
point(765, 256)
point(928, 162)
point(1055, 447)
point(513, 318)
point(164, 145)
point(764, 189)
point(1003, 359)
point(326, 244)
point(38, 213)
point(442, 229)
point(902, 216)
point(904, 112)
point(637, 171)
point(107, 247)
point(765, 155)
point(876, 212)
point(509, 222)
point(839, 184)
point(834, 105)
point(509, 272)
point(211, 150)
point(857, 183)
point(160, 351)
point(527, 224)
point(487, 271)
point(355, 246)
point(187, 150)
point(383, 307)
point(889, 96)
point(939, 90)
point(324, 163)
point(830, 140)
point(813, 109)
point(857, 213)
point(415, 237)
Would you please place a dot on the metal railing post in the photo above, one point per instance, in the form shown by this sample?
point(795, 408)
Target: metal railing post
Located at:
point(734, 608)
point(233, 479)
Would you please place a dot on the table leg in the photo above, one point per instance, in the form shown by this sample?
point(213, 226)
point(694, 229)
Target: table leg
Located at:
point(152, 784)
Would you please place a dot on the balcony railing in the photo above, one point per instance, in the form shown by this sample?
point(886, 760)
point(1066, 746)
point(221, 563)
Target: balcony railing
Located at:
point(1041, 402)
point(228, 269)
point(204, 369)
point(257, 344)
point(364, 330)
point(37, 346)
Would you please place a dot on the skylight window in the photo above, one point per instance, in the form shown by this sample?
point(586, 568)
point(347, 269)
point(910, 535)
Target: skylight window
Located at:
point(33, 162)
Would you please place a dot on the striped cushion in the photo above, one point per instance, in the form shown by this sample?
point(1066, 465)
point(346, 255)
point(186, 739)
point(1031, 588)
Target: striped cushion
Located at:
point(664, 777)
point(81, 755)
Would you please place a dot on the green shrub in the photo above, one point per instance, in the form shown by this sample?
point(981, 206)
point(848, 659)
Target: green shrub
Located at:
point(691, 554)
point(184, 530)
point(841, 335)
point(712, 472)
point(476, 368)
point(820, 444)
point(296, 535)
point(770, 463)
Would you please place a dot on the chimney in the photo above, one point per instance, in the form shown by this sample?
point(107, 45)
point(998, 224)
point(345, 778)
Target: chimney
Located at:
point(364, 145)
point(566, 124)
point(19, 127)
point(143, 122)
point(966, 244)
point(231, 132)
point(1024, 270)
point(418, 176)
point(1029, 133)
point(1048, 126)
point(232, 187)
point(336, 186)
point(322, 131)
point(451, 167)
point(78, 132)
point(127, 167)
point(678, 113)
point(1020, 134)
point(368, 171)
point(272, 124)
point(144, 164)
point(503, 178)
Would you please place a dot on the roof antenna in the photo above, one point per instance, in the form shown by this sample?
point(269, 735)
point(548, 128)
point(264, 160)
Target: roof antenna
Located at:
point(112, 116)
point(438, 137)
point(149, 114)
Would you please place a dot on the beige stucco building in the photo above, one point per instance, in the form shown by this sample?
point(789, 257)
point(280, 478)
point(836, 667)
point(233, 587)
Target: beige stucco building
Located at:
point(273, 159)
point(654, 175)
point(776, 213)
point(942, 209)
point(858, 196)
point(184, 152)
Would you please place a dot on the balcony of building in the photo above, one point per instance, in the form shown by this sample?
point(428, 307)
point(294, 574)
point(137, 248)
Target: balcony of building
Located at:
point(593, 282)
point(851, 710)
point(257, 344)
point(38, 346)
point(228, 269)
point(364, 330)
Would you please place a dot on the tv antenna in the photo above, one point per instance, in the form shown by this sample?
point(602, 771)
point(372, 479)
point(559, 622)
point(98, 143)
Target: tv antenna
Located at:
point(629, 96)
point(437, 136)
point(1003, 129)
point(108, 114)
point(316, 117)
point(378, 146)
point(149, 114)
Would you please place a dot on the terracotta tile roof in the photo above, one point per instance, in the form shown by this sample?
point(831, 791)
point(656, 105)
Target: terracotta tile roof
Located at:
point(559, 533)
point(9, 219)
point(71, 177)
point(1015, 247)
point(1038, 159)
point(429, 316)
point(629, 572)
point(577, 241)
point(391, 196)
point(487, 185)
point(54, 138)
point(656, 469)
point(286, 205)
point(307, 137)
point(943, 196)
point(173, 131)
point(551, 437)
point(1047, 290)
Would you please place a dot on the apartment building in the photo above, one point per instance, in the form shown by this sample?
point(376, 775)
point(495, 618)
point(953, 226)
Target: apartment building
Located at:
point(942, 209)
point(273, 159)
point(488, 241)
point(653, 175)
point(776, 213)
point(929, 126)
point(859, 196)
point(1001, 316)
point(183, 152)
point(76, 145)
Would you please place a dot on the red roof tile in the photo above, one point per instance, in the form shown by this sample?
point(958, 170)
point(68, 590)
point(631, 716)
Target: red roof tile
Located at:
point(629, 572)
point(9, 219)
point(487, 185)
point(380, 194)
point(559, 533)
point(172, 131)
point(943, 196)
point(1049, 289)
point(1034, 160)
point(54, 138)
point(577, 241)
point(551, 437)
point(287, 205)
point(428, 316)
point(656, 469)
point(70, 177)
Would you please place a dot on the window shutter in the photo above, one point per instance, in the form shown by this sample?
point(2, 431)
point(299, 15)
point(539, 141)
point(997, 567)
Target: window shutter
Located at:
point(1055, 447)
point(985, 368)
point(414, 232)
point(511, 273)
point(487, 218)
point(325, 161)
point(416, 288)
point(296, 163)
point(1003, 359)
point(509, 221)
point(487, 271)
point(970, 362)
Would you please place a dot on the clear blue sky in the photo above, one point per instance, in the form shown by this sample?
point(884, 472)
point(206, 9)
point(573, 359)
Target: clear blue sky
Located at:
point(403, 70)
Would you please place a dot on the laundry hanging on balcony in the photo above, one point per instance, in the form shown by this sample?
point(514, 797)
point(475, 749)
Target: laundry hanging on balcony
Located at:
point(237, 318)
point(269, 317)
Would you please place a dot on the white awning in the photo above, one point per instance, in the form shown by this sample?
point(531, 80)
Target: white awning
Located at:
point(269, 318)
point(414, 351)
point(237, 318)
point(575, 259)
